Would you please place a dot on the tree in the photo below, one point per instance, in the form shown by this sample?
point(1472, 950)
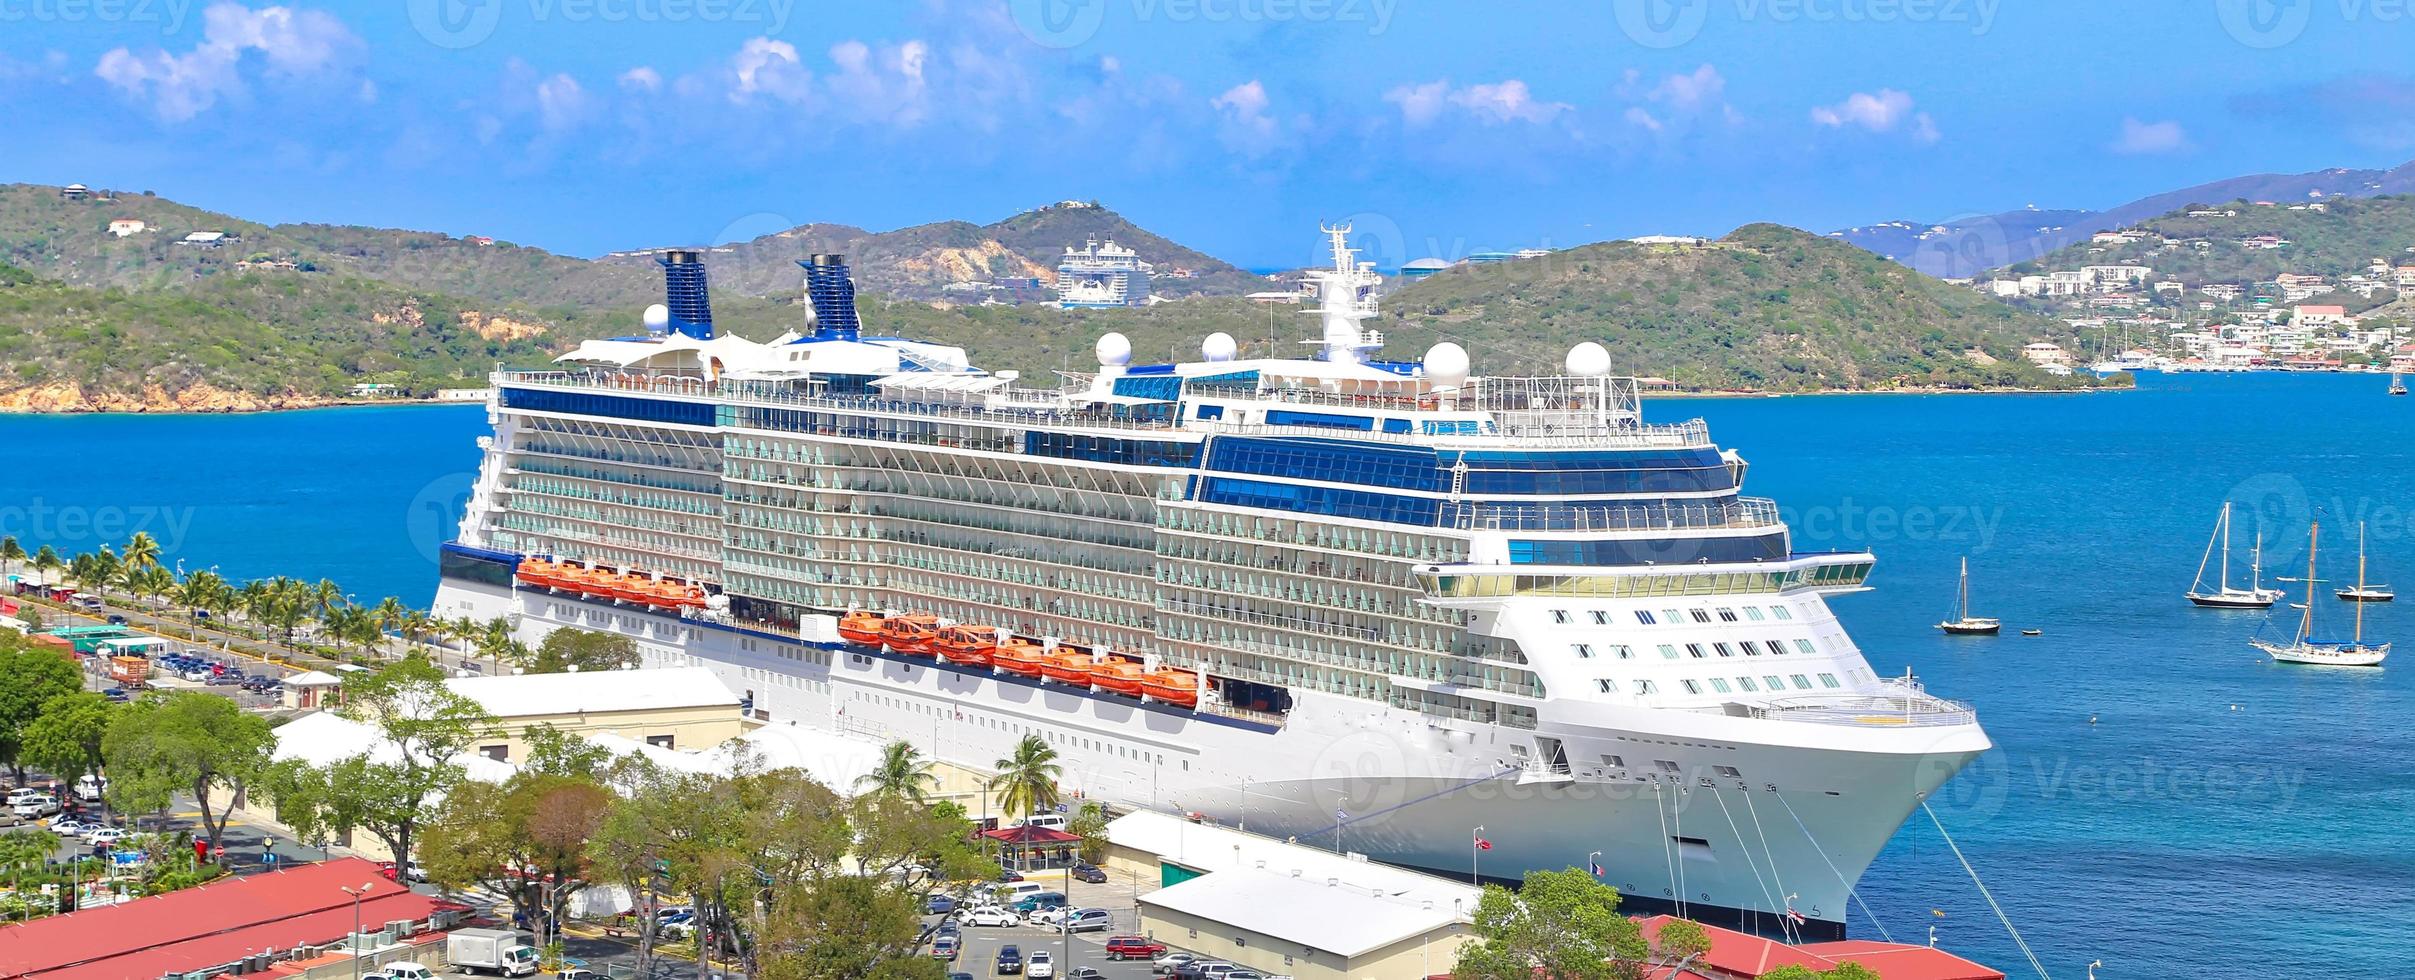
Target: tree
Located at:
point(47, 563)
point(390, 614)
point(1090, 824)
point(525, 839)
point(65, 740)
point(1026, 782)
point(578, 649)
point(1561, 925)
point(557, 753)
point(11, 552)
point(142, 551)
point(424, 728)
point(1678, 939)
point(185, 741)
point(496, 642)
point(902, 773)
point(29, 678)
point(1847, 970)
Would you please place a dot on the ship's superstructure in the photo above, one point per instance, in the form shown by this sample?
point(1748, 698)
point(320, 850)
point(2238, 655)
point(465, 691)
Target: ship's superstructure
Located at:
point(1102, 274)
point(1415, 601)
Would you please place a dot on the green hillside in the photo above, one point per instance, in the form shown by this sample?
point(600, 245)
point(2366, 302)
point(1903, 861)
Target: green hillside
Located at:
point(2345, 237)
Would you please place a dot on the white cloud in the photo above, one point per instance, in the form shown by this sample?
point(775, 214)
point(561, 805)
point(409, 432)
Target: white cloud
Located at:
point(1247, 128)
point(1504, 101)
point(887, 87)
point(293, 43)
point(561, 102)
point(1883, 111)
point(641, 79)
point(1693, 91)
point(2145, 137)
point(1642, 117)
point(767, 67)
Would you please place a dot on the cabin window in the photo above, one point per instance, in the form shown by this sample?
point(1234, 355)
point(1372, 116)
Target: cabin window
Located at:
point(1695, 649)
point(1607, 685)
point(1583, 650)
point(1724, 649)
point(1780, 612)
point(1727, 615)
point(1720, 685)
point(1700, 616)
point(1801, 682)
point(1622, 651)
point(1828, 680)
point(1646, 687)
point(1748, 684)
point(1805, 646)
point(1669, 651)
point(1601, 617)
point(1752, 613)
point(1775, 682)
point(1691, 687)
point(1559, 616)
point(1644, 616)
point(1673, 616)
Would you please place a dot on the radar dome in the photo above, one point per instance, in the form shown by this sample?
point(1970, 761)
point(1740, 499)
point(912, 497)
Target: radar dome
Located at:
point(1588, 360)
point(658, 318)
point(1446, 365)
point(1219, 346)
point(1114, 350)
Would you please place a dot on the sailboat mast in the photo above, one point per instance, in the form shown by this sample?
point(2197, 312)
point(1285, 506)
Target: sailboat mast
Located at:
point(1966, 587)
point(2360, 583)
point(2226, 546)
point(2314, 533)
point(2255, 560)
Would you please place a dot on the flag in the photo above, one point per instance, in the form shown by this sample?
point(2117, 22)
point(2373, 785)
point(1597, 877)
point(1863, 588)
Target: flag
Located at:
point(1595, 868)
point(1483, 845)
point(1797, 917)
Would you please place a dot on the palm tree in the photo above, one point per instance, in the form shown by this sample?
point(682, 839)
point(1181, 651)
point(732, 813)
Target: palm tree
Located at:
point(149, 582)
point(325, 596)
point(11, 552)
point(1026, 782)
point(902, 773)
point(105, 568)
point(389, 614)
point(142, 550)
point(495, 640)
point(46, 562)
point(416, 626)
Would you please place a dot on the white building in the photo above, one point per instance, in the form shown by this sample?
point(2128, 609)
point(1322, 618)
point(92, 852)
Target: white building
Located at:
point(126, 227)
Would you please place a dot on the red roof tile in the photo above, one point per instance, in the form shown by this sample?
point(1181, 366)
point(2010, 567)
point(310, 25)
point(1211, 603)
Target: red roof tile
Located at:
point(1896, 961)
point(208, 926)
point(1741, 953)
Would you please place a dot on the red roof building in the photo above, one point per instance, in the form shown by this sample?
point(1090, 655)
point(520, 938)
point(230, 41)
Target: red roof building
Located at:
point(1743, 956)
point(208, 926)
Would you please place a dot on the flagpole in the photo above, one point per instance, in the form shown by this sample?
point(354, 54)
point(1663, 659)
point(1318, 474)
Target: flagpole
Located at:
point(1475, 850)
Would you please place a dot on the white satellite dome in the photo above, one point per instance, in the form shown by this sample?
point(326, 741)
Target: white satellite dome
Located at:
point(658, 318)
point(1219, 346)
point(1588, 360)
point(1114, 350)
point(1446, 365)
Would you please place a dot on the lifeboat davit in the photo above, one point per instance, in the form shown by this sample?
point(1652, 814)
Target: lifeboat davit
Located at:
point(967, 644)
point(1069, 667)
point(861, 628)
point(1017, 656)
point(1172, 685)
point(909, 634)
point(1119, 677)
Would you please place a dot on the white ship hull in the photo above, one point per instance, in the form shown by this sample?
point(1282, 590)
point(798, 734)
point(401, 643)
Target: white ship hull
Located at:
point(1412, 789)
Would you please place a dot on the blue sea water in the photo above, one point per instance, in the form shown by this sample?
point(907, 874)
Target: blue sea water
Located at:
point(2219, 811)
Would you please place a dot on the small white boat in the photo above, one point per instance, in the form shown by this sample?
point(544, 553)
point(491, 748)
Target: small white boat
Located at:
point(2305, 649)
point(1967, 624)
point(2398, 383)
point(2364, 591)
point(2223, 595)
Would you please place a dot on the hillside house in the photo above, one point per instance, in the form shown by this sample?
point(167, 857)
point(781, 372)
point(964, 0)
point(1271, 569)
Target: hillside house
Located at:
point(210, 239)
point(2312, 316)
point(127, 227)
point(2045, 354)
point(74, 192)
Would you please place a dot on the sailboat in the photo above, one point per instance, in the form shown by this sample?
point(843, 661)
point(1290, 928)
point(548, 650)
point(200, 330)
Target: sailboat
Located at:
point(2305, 649)
point(2398, 383)
point(2364, 592)
point(2223, 596)
point(1969, 625)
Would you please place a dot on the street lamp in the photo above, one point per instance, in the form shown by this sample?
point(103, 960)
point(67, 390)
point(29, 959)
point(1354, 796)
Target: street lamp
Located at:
point(357, 895)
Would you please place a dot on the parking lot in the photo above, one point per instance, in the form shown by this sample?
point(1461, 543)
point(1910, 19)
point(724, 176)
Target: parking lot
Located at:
point(1119, 896)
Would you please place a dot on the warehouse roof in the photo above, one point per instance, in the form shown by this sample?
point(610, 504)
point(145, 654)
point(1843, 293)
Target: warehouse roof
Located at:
point(1323, 914)
point(520, 695)
point(207, 926)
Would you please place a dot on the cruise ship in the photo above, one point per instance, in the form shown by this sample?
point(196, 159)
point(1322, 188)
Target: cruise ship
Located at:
point(1101, 274)
point(1387, 606)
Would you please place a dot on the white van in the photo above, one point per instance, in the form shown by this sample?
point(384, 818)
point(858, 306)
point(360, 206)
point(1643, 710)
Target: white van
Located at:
point(1017, 891)
point(1052, 821)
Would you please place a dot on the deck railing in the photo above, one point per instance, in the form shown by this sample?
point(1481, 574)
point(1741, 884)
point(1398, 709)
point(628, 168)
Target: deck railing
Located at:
point(1735, 513)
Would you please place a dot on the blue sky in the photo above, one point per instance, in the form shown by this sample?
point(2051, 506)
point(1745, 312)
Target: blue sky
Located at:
point(1230, 125)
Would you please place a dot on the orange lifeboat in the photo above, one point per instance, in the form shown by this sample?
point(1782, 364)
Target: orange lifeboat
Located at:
point(691, 596)
point(1172, 685)
point(967, 644)
point(1019, 656)
point(1069, 667)
point(537, 572)
point(635, 589)
point(1119, 677)
point(909, 634)
point(860, 628)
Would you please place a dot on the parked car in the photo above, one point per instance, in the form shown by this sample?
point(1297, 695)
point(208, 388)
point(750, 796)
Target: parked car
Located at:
point(948, 927)
point(1134, 948)
point(104, 836)
point(89, 789)
point(37, 805)
point(16, 796)
point(944, 948)
point(197, 674)
point(991, 915)
point(939, 904)
point(401, 971)
point(1086, 920)
point(1040, 966)
point(1010, 959)
point(1084, 872)
point(1009, 875)
point(73, 828)
point(1195, 969)
point(1040, 900)
point(116, 694)
point(228, 680)
point(1084, 973)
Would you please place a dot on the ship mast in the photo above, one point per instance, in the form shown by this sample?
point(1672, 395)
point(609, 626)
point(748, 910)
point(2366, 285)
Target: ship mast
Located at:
point(2314, 533)
point(2359, 638)
point(2226, 546)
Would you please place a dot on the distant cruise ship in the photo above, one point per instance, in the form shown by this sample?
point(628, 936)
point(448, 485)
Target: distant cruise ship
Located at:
point(1102, 274)
point(1366, 603)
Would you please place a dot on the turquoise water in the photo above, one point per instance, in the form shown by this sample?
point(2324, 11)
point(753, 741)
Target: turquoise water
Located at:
point(2175, 836)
